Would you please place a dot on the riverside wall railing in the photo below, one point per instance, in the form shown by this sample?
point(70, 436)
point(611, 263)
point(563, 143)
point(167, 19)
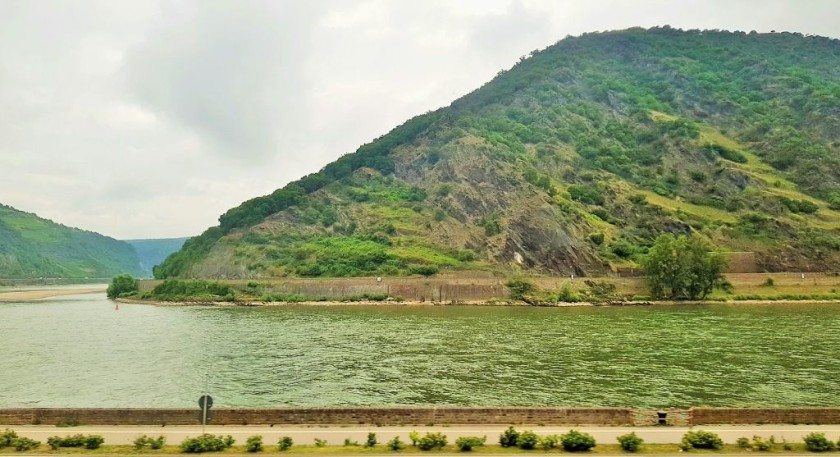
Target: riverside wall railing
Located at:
point(421, 416)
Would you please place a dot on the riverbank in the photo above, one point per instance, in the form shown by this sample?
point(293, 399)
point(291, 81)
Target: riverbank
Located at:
point(14, 294)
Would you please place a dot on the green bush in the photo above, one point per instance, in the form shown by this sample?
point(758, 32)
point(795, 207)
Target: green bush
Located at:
point(743, 443)
point(630, 442)
point(550, 442)
point(6, 437)
point(414, 436)
point(596, 238)
point(285, 443)
point(371, 440)
point(520, 288)
point(395, 444)
point(254, 443)
point(24, 444)
point(817, 442)
point(320, 443)
point(425, 270)
point(509, 437)
point(93, 441)
point(123, 284)
point(528, 440)
point(701, 439)
point(575, 441)
point(206, 443)
point(155, 443)
point(760, 444)
point(77, 440)
point(431, 441)
point(467, 443)
point(349, 442)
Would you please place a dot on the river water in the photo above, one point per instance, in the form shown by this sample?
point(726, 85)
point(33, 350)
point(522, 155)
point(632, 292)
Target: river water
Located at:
point(79, 351)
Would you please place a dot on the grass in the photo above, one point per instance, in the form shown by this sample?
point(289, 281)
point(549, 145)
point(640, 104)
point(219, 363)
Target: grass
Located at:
point(703, 212)
point(381, 449)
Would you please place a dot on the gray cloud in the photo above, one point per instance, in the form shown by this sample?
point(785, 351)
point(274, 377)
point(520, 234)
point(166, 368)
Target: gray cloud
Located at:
point(230, 71)
point(150, 118)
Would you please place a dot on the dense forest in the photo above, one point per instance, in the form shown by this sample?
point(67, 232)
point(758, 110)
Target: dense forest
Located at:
point(572, 161)
point(32, 247)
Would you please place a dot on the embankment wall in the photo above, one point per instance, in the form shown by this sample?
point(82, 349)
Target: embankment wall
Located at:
point(421, 416)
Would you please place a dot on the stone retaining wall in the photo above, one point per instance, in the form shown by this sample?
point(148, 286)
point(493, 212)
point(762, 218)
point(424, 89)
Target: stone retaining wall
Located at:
point(422, 416)
point(705, 416)
point(374, 416)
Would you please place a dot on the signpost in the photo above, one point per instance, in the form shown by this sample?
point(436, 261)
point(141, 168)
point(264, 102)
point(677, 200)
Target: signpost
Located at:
point(205, 402)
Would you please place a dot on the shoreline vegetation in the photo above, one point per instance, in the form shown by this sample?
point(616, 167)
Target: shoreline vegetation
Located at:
point(519, 291)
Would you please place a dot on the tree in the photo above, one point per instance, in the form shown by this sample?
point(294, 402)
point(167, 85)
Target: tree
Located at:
point(681, 268)
point(121, 284)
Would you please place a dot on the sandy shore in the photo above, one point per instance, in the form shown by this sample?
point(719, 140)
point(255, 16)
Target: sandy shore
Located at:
point(42, 293)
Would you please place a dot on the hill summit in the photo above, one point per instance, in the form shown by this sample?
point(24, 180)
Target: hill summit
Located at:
point(572, 161)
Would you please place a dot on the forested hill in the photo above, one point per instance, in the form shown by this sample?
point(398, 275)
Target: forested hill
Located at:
point(32, 247)
point(573, 160)
point(153, 251)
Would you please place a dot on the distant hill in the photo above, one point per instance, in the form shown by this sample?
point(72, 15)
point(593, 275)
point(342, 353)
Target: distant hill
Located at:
point(572, 161)
point(154, 251)
point(32, 247)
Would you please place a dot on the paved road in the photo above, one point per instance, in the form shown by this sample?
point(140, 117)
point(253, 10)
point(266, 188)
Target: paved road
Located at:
point(337, 434)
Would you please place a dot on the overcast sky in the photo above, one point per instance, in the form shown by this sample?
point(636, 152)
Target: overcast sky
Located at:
point(149, 119)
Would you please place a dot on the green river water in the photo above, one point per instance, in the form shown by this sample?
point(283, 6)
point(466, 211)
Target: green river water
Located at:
point(79, 351)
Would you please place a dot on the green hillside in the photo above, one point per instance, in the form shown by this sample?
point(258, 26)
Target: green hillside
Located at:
point(32, 247)
point(572, 161)
point(154, 251)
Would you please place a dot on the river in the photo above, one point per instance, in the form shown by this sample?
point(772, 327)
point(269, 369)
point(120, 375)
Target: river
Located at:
point(80, 351)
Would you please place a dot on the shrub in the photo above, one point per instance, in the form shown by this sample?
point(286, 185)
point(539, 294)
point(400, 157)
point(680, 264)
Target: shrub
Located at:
point(528, 440)
point(395, 444)
point(431, 441)
point(24, 444)
point(7, 437)
point(349, 442)
point(509, 437)
point(760, 444)
point(414, 436)
point(155, 443)
point(575, 441)
point(550, 441)
point(254, 443)
point(285, 443)
point(123, 284)
point(206, 443)
point(93, 441)
point(743, 442)
point(371, 440)
point(320, 443)
point(519, 288)
point(817, 442)
point(467, 443)
point(701, 439)
point(596, 238)
point(630, 442)
point(77, 440)
point(768, 282)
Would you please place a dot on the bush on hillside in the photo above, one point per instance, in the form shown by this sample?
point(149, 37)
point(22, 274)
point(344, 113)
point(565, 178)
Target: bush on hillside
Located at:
point(467, 443)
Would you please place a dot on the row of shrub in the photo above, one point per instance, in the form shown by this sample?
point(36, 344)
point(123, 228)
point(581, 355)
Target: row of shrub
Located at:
point(573, 441)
